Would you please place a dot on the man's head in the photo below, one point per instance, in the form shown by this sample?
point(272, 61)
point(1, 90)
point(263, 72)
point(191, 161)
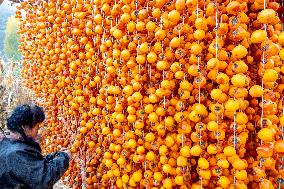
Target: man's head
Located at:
point(25, 120)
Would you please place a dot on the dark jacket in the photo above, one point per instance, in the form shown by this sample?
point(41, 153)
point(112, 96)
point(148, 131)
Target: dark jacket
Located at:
point(23, 167)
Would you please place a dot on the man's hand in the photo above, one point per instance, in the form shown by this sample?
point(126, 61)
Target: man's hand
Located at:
point(66, 151)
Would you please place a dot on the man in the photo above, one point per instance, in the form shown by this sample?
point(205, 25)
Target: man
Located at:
point(22, 164)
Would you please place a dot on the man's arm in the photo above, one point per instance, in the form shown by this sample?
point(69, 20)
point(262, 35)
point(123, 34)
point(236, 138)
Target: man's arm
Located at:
point(38, 173)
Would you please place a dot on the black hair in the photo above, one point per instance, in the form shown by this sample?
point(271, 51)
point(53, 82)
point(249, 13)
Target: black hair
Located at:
point(25, 116)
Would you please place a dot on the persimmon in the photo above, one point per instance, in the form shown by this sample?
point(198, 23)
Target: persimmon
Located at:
point(266, 135)
point(258, 36)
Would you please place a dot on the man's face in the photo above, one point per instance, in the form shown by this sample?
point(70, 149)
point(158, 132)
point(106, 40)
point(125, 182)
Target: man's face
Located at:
point(33, 132)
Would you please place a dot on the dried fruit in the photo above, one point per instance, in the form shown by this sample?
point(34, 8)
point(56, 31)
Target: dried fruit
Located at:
point(159, 94)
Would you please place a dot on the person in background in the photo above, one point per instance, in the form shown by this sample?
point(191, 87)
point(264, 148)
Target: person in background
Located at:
point(22, 165)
